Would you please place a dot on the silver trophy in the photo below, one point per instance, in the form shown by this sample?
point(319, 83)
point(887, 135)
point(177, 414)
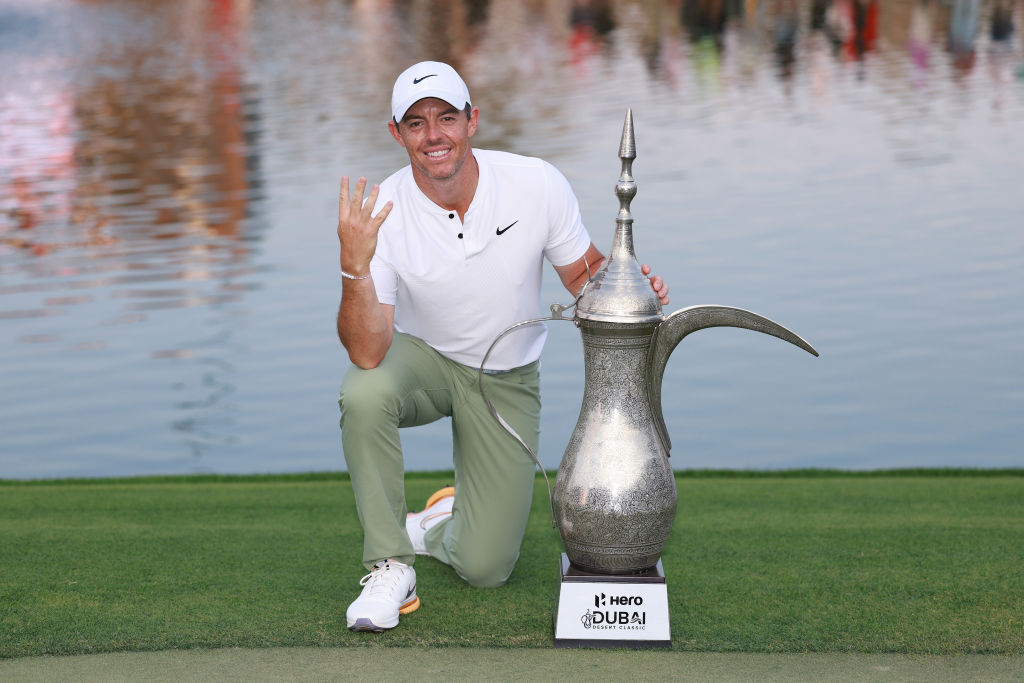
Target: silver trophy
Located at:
point(614, 498)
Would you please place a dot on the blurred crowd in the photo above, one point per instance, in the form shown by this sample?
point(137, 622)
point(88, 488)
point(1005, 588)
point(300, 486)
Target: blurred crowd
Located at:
point(167, 125)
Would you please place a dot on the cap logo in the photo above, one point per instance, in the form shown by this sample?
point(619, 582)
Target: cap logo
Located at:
point(415, 81)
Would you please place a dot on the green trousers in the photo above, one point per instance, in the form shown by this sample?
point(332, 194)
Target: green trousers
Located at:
point(494, 475)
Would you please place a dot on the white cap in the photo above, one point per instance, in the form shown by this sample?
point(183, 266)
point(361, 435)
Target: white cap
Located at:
point(428, 79)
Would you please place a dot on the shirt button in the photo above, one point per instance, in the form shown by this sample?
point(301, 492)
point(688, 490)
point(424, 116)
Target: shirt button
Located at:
point(451, 215)
point(460, 235)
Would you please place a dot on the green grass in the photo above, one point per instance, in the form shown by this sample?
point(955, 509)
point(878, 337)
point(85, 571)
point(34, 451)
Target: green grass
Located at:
point(904, 562)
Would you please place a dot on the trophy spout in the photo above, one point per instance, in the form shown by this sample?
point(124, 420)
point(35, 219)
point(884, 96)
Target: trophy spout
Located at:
point(677, 326)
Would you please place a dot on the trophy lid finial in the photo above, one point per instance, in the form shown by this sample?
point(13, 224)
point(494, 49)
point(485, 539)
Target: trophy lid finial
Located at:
point(625, 189)
point(627, 148)
point(620, 292)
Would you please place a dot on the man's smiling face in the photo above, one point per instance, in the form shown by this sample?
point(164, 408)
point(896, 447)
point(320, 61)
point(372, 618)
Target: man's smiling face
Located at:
point(436, 136)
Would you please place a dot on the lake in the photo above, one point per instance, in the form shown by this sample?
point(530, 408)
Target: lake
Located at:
point(852, 170)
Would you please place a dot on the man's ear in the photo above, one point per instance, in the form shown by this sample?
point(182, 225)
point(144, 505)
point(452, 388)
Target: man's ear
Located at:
point(393, 127)
point(474, 119)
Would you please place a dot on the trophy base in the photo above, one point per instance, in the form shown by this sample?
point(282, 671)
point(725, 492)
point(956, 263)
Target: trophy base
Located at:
point(611, 610)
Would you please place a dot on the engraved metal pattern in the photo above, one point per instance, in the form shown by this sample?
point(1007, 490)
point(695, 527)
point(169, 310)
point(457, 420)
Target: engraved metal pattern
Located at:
point(615, 494)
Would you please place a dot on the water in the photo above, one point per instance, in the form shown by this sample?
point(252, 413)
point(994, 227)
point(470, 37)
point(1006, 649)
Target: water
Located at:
point(168, 263)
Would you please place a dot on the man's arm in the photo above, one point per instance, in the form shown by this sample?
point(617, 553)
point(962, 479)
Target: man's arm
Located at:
point(365, 326)
point(575, 274)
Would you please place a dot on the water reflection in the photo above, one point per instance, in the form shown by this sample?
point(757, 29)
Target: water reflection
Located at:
point(129, 158)
point(165, 175)
point(127, 154)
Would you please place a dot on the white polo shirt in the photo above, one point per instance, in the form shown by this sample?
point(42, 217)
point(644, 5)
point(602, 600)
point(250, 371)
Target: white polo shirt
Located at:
point(456, 285)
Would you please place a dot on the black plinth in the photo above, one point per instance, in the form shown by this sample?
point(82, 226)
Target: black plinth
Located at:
point(570, 572)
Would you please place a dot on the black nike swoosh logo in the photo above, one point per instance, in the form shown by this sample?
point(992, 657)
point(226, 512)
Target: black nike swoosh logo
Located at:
point(502, 230)
point(423, 78)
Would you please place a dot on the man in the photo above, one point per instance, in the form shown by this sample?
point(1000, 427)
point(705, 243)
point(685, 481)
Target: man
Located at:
point(453, 257)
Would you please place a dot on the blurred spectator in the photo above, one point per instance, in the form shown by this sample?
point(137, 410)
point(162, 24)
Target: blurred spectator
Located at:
point(834, 19)
point(705, 19)
point(864, 16)
point(591, 21)
point(963, 27)
point(919, 34)
point(819, 14)
point(1002, 21)
point(592, 16)
point(784, 33)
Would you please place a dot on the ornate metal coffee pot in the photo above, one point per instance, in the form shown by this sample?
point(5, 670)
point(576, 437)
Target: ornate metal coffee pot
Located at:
point(615, 495)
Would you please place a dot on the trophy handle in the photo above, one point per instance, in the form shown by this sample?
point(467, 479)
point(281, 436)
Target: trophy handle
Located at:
point(675, 327)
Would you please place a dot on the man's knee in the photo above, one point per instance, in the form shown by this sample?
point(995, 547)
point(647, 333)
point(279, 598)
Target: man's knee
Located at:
point(487, 572)
point(366, 393)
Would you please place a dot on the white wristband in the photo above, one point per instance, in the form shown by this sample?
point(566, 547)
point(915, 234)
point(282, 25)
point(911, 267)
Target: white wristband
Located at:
point(354, 277)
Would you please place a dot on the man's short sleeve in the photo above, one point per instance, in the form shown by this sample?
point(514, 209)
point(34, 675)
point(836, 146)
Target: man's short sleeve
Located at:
point(385, 280)
point(568, 239)
point(385, 275)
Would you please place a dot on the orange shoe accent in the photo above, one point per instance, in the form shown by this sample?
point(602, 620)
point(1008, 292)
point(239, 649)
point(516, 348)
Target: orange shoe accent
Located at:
point(430, 518)
point(410, 606)
point(439, 494)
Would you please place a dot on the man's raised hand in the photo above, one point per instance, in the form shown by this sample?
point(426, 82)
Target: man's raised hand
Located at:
point(358, 227)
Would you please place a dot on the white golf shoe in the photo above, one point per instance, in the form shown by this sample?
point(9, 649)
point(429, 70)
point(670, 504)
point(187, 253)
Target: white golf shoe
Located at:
point(388, 590)
point(438, 507)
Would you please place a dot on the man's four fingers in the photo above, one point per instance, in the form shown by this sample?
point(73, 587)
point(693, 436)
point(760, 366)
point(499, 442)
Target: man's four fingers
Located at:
point(657, 284)
point(351, 203)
